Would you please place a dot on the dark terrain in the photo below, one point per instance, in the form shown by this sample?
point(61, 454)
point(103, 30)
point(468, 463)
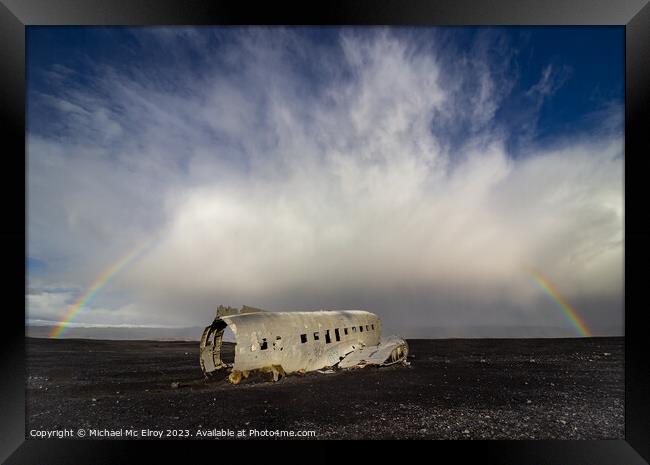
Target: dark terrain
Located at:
point(453, 389)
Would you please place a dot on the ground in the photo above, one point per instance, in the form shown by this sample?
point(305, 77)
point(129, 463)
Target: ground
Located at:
point(453, 389)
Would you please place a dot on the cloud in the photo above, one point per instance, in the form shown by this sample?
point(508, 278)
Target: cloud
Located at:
point(551, 80)
point(276, 178)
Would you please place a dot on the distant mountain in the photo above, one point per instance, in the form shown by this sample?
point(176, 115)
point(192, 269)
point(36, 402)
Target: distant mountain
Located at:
point(121, 333)
point(423, 332)
point(506, 332)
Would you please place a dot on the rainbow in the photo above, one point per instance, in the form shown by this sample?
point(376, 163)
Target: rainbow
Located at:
point(570, 312)
point(96, 285)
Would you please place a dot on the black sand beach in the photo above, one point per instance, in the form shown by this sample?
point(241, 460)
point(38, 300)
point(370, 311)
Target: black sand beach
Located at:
point(453, 389)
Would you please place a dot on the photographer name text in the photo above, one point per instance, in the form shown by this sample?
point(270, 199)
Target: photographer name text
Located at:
point(146, 433)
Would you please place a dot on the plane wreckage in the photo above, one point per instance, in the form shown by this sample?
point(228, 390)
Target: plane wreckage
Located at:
point(297, 342)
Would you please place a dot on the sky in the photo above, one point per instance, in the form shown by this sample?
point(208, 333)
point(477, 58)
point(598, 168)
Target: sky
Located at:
point(442, 178)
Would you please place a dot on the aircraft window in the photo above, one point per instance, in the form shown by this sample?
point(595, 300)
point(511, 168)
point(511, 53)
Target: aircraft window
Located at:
point(345, 331)
point(303, 338)
point(264, 345)
point(361, 328)
point(337, 335)
point(354, 329)
point(315, 335)
point(328, 339)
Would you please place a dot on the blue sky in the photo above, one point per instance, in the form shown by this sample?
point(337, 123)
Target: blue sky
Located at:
point(585, 66)
point(409, 171)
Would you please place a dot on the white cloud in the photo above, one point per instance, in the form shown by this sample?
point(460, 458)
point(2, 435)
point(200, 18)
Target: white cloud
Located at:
point(268, 194)
point(550, 81)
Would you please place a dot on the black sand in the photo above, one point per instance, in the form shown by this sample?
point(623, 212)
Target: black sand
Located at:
point(454, 389)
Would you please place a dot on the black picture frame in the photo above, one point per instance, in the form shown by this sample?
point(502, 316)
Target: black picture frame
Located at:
point(634, 15)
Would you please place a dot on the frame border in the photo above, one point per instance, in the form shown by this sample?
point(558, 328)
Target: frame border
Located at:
point(15, 15)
